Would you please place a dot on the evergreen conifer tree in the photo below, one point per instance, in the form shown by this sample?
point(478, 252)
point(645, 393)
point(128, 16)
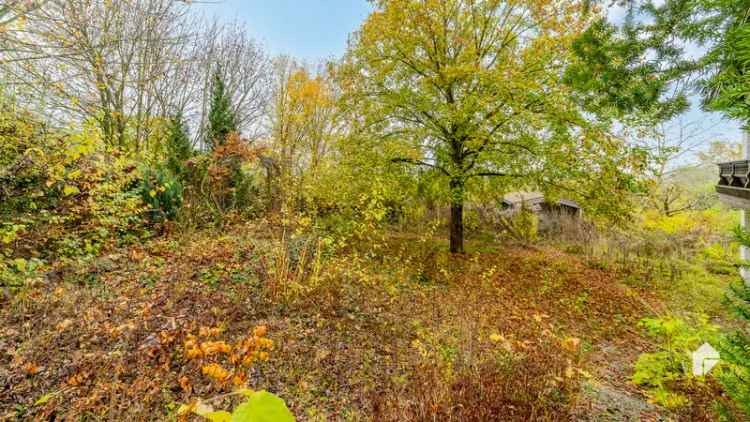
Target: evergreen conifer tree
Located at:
point(179, 148)
point(645, 65)
point(221, 118)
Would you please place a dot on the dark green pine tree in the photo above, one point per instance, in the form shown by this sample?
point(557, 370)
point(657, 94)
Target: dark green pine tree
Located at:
point(612, 78)
point(727, 89)
point(179, 147)
point(221, 118)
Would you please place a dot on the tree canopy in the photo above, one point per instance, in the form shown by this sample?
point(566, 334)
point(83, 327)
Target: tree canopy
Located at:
point(474, 89)
point(664, 52)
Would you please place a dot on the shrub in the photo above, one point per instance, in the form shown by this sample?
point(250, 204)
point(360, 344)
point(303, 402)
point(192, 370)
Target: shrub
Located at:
point(213, 356)
point(218, 183)
point(661, 371)
point(162, 193)
point(522, 225)
point(518, 387)
point(735, 349)
point(63, 193)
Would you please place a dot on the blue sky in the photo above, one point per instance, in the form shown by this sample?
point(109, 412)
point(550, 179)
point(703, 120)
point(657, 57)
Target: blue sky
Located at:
point(307, 29)
point(313, 30)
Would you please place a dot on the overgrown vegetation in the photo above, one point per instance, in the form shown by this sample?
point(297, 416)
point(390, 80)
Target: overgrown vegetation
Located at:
point(191, 228)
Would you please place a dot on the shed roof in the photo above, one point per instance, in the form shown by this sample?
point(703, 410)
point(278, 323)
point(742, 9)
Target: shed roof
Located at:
point(521, 197)
point(534, 198)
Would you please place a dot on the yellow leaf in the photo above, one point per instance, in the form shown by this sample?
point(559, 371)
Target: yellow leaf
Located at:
point(152, 193)
point(246, 392)
point(70, 190)
point(260, 331)
point(216, 372)
point(218, 416)
point(569, 372)
point(187, 408)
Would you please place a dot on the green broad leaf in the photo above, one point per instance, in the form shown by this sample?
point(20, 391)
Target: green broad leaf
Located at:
point(263, 407)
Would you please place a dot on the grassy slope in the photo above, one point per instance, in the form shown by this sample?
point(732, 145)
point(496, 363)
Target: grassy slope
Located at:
point(400, 332)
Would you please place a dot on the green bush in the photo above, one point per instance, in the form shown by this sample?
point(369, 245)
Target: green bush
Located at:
point(522, 226)
point(65, 196)
point(162, 193)
point(661, 370)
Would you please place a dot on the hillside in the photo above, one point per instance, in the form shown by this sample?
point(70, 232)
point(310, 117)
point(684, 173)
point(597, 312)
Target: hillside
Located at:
point(400, 332)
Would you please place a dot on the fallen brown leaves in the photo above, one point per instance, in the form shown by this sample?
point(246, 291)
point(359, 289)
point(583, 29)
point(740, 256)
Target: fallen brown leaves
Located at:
point(173, 321)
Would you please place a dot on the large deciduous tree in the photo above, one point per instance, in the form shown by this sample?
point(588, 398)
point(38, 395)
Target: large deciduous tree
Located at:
point(472, 89)
point(96, 60)
point(244, 68)
point(14, 10)
point(124, 64)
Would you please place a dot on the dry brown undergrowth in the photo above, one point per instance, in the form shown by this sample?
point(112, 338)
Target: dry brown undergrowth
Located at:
point(497, 335)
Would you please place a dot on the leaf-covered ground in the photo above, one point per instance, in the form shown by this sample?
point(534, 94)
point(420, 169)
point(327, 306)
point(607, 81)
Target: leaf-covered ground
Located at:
point(400, 332)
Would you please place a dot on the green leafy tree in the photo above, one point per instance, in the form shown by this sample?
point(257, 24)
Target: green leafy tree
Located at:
point(613, 81)
point(13, 10)
point(722, 27)
point(728, 87)
point(222, 119)
point(473, 90)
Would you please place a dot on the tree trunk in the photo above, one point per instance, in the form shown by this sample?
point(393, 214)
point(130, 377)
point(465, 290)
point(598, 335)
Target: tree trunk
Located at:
point(457, 215)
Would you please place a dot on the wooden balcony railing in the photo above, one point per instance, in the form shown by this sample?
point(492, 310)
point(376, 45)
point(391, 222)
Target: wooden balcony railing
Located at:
point(734, 179)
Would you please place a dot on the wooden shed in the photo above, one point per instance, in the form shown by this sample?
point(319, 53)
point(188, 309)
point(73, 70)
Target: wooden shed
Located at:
point(538, 204)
